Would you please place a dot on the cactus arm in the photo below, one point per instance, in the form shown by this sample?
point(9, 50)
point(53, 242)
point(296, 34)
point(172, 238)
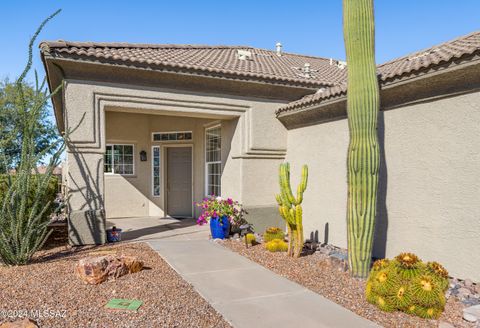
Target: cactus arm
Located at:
point(363, 157)
point(303, 183)
point(278, 199)
point(285, 178)
point(299, 224)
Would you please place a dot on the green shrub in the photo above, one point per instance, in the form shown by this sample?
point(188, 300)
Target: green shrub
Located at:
point(409, 285)
point(273, 233)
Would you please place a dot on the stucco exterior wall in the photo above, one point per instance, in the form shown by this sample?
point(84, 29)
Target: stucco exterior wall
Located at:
point(253, 143)
point(429, 201)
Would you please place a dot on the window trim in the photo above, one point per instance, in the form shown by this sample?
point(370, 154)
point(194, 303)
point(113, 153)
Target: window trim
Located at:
point(171, 141)
point(160, 171)
point(215, 162)
point(133, 160)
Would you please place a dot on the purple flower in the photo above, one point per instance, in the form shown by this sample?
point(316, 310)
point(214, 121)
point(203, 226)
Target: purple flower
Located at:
point(229, 201)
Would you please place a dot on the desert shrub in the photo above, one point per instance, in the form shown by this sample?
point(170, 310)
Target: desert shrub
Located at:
point(24, 209)
point(407, 284)
point(48, 197)
point(276, 245)
point(273, 233)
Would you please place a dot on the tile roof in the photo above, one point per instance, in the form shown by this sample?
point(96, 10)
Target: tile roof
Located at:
point(396, 69)
point(264, 65)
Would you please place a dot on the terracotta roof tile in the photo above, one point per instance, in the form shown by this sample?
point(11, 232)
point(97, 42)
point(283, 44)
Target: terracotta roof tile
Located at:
point(422, 60)
point(263, 65)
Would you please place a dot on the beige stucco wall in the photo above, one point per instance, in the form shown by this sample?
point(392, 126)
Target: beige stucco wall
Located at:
point(430, 181)
point(253, 143)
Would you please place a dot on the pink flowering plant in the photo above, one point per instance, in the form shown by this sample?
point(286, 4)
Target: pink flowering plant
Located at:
point(216, 207)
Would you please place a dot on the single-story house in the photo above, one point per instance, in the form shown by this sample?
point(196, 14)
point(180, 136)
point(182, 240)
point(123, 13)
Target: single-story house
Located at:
point(152, 129)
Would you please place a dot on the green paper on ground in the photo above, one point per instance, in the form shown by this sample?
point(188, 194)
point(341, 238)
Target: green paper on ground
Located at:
point(123, 304)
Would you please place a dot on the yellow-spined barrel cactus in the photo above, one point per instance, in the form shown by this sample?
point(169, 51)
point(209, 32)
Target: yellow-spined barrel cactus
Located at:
point(273, 233)
point(409, 285)
point(276, 245)
point(250, 239)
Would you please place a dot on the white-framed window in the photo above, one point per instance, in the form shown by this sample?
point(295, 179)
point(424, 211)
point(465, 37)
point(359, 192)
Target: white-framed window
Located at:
point(213, 160)
point(156, 173)
point(172, 136)
point(119, 159)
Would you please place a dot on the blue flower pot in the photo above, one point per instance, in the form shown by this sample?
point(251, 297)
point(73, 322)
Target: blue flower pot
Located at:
point(220, 227)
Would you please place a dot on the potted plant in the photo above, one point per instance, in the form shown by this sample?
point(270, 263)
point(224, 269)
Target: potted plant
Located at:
point(221, 214)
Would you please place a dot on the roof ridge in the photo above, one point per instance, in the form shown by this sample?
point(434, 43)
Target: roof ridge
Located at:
point(63, 44)
point(424, 50)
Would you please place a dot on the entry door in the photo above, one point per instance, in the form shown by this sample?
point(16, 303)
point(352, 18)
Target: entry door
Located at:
point(179, 181)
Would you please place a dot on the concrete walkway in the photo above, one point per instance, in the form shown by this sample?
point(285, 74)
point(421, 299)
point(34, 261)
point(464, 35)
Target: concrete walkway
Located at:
point(247, 294)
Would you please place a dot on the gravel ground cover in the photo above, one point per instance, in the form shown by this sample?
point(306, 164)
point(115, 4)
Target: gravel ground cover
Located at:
point(315, 273)
point(49, 286)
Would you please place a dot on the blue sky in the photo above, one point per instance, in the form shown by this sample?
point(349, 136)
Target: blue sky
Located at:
point(307, 27)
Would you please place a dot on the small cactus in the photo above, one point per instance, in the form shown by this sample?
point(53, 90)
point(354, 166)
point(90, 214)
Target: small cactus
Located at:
point(273, 233)
point(409, 285)
point(276, 245)
point(250, 239)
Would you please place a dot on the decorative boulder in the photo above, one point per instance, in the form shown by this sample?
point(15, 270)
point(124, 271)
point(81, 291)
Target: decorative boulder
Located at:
point(95, 270)
point(25, 323)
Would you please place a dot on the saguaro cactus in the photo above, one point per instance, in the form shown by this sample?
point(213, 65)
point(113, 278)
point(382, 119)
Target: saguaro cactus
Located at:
point(290, 208)
point(363, 151)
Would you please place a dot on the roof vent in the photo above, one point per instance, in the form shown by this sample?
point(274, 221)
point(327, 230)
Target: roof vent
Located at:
point(306, 70)
point(339, 63)
point(278, 47)
point(244, 54)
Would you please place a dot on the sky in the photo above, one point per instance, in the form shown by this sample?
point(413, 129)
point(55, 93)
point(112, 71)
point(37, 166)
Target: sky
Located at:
point(304, 27)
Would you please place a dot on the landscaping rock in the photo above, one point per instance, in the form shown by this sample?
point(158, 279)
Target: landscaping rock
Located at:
point(25, 323)
point(477, 289)
point(464, 292)
point(443, 324)
point(472, 313)
point(337, 263)
point(95, 270)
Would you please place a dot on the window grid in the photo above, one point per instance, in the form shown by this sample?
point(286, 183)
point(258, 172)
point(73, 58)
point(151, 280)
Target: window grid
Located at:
point(172, 136)
point(156, 171)
point(119, 159)
point(213, 163)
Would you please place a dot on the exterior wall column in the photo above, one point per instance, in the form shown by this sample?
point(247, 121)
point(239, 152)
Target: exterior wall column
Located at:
point(85, 129)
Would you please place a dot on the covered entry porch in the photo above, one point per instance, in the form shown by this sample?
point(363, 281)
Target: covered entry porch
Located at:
point(158, 165)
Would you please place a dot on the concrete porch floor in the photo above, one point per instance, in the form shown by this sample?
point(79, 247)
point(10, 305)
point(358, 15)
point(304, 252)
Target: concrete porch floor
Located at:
point(157, 228)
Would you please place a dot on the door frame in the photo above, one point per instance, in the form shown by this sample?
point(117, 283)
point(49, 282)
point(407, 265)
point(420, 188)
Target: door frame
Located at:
point(165, 174)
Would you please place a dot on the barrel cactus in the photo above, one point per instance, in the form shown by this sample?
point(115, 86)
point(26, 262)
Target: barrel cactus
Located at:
point(273, 233)
point(250, 239)
point(409, 285)
point(291, 209)
point(363, 160)
point(276, 245)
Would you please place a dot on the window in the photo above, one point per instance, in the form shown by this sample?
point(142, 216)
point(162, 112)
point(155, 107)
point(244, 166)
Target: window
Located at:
point(213, 161)
point(119, 159)
point(172, 136)
point(156, 171)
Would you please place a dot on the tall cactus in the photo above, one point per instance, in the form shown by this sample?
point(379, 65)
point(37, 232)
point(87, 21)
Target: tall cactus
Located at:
point(363, 151)
point(290, 208)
